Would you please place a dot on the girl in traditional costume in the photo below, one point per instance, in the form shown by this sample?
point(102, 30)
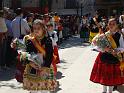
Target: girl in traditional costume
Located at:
point(84, 33)
point(95, 23)
point(106, 69)
point(54, 38)
point(38, 74)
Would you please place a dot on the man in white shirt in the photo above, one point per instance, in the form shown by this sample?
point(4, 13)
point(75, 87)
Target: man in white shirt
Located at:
point(20, 26)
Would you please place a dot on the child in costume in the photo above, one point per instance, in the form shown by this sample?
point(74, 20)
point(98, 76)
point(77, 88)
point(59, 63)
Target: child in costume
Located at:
point(106, 69)
point(54, 38)
point(38, 75)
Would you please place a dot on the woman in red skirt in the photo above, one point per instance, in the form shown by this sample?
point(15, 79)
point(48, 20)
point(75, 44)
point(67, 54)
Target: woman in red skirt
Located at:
point(104, 71)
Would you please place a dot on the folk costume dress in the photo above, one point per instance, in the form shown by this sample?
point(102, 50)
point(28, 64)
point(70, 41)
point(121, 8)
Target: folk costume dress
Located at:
point(94, 27)
point(41, 53)
point(56, 59)
point(105, 73)
point(84, 33)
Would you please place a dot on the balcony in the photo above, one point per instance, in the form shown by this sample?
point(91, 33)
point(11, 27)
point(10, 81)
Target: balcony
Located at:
point(107, 2)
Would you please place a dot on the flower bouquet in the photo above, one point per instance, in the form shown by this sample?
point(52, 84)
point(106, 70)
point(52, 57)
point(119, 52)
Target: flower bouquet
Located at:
point(36, 58)
point(19, 44)
point(26, 56)
point(101, 41)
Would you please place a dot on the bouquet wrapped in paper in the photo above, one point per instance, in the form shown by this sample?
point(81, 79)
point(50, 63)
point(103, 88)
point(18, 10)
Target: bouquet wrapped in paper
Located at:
point(25, 58)
point(19, 44)
point(36, 58)
point(101, 41)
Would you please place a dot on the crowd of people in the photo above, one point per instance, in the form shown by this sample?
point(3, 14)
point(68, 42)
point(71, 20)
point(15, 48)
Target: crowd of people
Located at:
point(31, 42)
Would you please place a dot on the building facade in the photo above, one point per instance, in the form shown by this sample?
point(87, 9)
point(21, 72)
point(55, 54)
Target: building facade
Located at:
point(75, 7)
point(68, 7)
point(39, 6)
point(62, 7)
point(109, 7)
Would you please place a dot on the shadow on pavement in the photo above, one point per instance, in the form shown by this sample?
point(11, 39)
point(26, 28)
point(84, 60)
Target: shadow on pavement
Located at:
point(121, 89)
point(73, 42)
point(62, 61)
point(7, 79)
point(62, 64)
point(57, 89)
point(59, 75)
point(11, 85)
point(7, 74)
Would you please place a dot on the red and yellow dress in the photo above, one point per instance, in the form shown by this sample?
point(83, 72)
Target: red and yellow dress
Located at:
point(56, 59)
point(105, 73)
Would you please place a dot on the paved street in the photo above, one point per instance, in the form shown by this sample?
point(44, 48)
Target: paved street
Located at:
point(73, 72)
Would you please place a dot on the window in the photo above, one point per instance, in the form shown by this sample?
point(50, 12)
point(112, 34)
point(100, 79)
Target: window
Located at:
point(112, 0)
point(71, 4)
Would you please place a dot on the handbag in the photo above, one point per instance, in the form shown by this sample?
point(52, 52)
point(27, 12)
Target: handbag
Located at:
point(39, 79)
point(109, 58)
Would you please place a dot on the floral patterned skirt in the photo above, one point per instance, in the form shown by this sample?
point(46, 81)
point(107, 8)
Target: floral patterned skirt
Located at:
point(41, 79)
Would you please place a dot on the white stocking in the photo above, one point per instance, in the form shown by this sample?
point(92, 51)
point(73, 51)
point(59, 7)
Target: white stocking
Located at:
point(104, 88)
point(111, 89)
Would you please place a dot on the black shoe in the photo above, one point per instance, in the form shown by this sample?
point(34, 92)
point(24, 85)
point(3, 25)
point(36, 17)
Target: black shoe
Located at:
point(115, 88)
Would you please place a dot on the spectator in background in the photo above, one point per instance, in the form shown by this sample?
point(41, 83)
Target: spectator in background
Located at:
point(60, 28)
point(95, 25)
point(77, 24)
point(20, 27)
point(46, 19)
point(30, 19)
point(3, 31)
point(9, 51)
point(84, 32)
point(121, 19)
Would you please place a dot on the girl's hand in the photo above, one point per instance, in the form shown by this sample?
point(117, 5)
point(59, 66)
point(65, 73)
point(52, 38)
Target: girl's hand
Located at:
point(114, 53)
point(107, 49)
point(13, 44)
